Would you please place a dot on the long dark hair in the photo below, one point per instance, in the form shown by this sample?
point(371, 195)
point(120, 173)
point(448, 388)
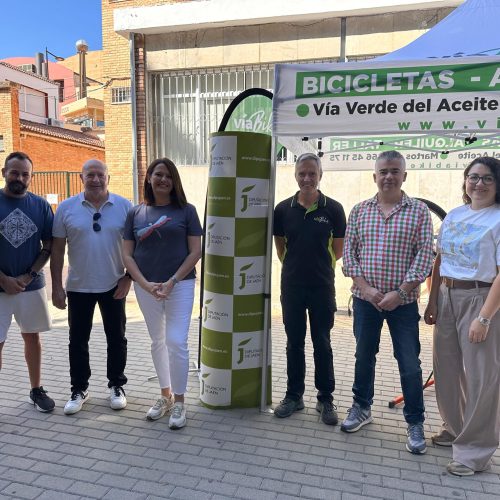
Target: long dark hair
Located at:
point(494, 165)
point(177, 195)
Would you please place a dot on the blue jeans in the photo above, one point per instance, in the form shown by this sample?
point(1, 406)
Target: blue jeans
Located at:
point(403, 327)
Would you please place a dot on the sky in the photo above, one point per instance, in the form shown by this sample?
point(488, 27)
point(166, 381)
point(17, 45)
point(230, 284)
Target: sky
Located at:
point(28, 26)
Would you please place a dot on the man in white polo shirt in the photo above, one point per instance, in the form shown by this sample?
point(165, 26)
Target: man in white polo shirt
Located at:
point(92, 223)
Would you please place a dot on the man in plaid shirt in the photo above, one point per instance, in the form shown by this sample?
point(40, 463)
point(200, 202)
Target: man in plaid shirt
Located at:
point(388, 253)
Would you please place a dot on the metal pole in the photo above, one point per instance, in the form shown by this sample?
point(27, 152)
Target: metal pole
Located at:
point(83, 78)
point(135, 180)
point(343, 34)
point(266, 339)
point(68, 187)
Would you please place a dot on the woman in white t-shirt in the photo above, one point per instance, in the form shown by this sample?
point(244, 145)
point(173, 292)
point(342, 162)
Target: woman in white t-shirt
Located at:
point(464, 307)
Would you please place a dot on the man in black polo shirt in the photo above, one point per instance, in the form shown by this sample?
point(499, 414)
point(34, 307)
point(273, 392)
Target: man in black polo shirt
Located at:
point(309, 236)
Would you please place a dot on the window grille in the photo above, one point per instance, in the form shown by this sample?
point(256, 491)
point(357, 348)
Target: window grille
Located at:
point(120, 95)
point(187, 106)
point(28, 67)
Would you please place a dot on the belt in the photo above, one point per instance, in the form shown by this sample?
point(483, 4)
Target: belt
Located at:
point(464, 284)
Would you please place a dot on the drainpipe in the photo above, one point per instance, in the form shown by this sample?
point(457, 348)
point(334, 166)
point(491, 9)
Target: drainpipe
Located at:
point(135, 180)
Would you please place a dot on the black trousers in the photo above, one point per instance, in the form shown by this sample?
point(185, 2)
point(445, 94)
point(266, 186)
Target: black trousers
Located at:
point(81, 308)
point(319, 304)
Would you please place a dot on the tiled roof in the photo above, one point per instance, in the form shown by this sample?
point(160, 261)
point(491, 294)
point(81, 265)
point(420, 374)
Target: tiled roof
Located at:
point(8, 65)
point(61, 133)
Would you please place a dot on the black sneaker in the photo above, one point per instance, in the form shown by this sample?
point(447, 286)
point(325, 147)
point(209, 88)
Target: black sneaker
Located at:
point(288, 406)
point(42, 402)
point(328, 412)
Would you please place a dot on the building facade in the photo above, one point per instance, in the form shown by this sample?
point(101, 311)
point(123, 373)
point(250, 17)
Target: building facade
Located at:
point(189, 59)
point(29, 122)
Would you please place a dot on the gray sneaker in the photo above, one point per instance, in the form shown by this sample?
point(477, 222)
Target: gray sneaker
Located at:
point(444, 438)
point(178, 417)
point(328, 412)
point(357, 417)
point(287, 407)
point(163, 405)
point(416, 439)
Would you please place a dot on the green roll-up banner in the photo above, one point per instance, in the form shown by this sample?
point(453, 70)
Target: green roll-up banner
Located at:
point(235, 267)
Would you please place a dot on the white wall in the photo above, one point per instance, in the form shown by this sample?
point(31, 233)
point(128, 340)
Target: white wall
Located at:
point(33, 93)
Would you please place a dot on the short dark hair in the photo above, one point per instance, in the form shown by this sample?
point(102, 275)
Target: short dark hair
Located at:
point(494, 165)
point(391, 156)
point(17, 155)
point(178, 196)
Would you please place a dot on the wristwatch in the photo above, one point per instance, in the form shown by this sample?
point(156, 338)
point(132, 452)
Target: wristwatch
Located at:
point(33, 274)
point(484, 321)
point(402, 294)
point(174, 279)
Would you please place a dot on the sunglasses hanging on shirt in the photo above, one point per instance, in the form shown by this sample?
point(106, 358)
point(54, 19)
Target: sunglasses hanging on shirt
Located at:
point(96, 226)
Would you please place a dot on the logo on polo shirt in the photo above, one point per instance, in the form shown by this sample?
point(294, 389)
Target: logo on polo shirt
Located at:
point(321, 219)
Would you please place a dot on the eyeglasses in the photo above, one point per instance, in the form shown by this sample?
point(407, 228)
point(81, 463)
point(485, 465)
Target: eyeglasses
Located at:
point(96, 226)
point(474, 179)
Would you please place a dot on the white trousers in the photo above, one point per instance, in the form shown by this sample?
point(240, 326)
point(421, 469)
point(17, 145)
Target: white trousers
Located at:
point(168, 326)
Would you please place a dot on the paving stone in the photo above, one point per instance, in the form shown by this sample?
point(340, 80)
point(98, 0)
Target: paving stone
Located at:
point(117, 494)
point(189, 494)
point(220, 454)
point(18, 490)
point(249, 494)
point(444, 492)
point(321, 493)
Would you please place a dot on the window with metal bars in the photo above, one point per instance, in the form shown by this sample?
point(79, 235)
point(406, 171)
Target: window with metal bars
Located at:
point(120, 95)
point(188, 106)
point(185, 107)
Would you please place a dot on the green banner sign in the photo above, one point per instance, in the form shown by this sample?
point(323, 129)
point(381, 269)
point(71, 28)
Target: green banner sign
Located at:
point(232, 340)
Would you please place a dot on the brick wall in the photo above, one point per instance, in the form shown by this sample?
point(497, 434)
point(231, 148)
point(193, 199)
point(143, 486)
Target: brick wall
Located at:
point(48, 153)
point(116, 66)
point(52, 153)
point(9, 119)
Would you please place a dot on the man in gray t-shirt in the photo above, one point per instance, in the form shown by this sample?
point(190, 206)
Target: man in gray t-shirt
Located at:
point(92, 224)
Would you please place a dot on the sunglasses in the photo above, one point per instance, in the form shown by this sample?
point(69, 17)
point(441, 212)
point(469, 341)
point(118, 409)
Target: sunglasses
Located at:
point(96, 226)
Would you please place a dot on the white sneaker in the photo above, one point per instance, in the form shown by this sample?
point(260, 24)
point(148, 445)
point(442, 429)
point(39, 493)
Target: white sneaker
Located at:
point(178, 417)
point(163, 405)
point(75, 402)
point(117, 398)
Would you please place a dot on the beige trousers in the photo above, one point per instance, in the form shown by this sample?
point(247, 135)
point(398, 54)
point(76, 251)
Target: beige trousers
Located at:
point(467, 377)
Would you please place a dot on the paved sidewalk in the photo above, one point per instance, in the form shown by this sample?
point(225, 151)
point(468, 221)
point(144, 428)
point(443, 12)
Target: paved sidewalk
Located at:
point(100, 453)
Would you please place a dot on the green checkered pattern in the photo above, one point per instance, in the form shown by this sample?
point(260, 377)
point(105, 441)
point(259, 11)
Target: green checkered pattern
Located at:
point(235, 267)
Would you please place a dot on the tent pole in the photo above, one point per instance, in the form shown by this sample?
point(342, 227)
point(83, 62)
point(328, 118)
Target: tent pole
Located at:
point(266, 338)
point(343, 34)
